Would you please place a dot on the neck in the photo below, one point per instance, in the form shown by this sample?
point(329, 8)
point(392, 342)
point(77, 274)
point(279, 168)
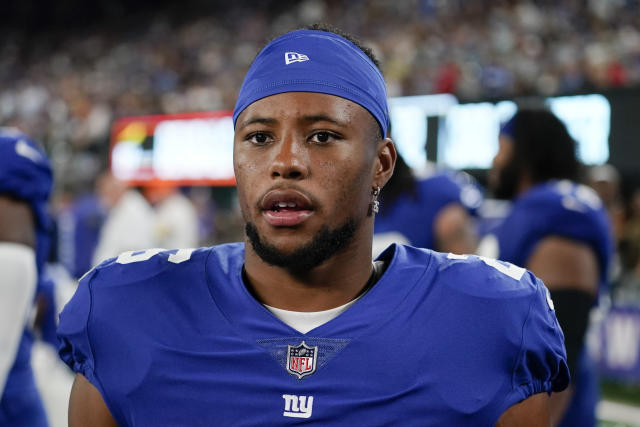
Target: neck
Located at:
point(525, 183)
point(333, 283)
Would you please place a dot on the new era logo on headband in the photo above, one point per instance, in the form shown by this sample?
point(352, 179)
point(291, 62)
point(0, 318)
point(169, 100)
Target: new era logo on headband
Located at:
point(291, 57)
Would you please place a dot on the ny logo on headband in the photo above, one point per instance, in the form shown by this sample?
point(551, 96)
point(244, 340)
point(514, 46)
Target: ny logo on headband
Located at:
point(291, 57)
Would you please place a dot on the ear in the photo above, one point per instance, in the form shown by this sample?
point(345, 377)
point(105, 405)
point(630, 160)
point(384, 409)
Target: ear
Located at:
point(385, 162)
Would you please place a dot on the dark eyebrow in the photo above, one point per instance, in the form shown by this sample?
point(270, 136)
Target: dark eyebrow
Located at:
point(262, 120)
point(322, 118)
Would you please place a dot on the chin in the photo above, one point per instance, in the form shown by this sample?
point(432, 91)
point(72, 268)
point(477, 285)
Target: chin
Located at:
point(292, 253)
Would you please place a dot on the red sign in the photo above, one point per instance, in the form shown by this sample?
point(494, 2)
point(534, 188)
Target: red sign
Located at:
point(177, 149)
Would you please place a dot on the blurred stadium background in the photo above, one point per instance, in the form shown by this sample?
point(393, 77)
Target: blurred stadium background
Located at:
point(77, 76)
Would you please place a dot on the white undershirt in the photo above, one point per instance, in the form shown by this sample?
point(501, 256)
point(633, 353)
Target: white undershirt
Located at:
point(18, 279)
point(303, 322)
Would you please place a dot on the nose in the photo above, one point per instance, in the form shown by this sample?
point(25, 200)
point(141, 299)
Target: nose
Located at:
point(290, 160)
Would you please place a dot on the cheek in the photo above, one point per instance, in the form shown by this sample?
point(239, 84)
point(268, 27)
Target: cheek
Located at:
point(244, 172)
point(351, 182)
point(245, 167)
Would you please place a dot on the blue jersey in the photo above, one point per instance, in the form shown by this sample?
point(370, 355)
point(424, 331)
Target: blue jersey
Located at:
point(411, 217)
point(25, 174)
point(565, 209)
point(79, 227)
point(175, 338)
point(555, 208)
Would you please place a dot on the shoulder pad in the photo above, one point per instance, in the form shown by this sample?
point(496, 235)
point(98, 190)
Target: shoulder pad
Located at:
point(24, 168)
point(136, 266)
point(564, 195)
point(486, 277)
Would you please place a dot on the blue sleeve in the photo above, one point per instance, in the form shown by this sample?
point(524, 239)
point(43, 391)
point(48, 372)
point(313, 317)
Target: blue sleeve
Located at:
point(441, 190)
point(541, 364)
point(558, 209)
point(25, 173)
point(73, 334)
point(470, 192)
point(500, 316)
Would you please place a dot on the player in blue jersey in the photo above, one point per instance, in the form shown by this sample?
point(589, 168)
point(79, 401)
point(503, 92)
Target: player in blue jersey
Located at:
point(559, 230)
point(433, 210)
point(296, 324)
point(25, 184)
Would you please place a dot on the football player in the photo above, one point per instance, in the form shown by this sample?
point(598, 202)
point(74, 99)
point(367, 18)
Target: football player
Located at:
point(559, 230)
point(297, 324)
point(25, 184)
point(430, 210)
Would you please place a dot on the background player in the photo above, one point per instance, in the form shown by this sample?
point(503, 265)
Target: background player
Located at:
point(432, 210)
point(25, 184)
point(298, 312)
point(558, 229)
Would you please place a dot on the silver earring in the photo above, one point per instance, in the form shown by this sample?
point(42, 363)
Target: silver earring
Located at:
point(374, 198)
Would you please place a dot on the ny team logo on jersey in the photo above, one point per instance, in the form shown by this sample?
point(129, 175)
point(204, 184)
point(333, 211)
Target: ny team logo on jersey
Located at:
point(301, 360)
point(297, 406)
point(291, 57)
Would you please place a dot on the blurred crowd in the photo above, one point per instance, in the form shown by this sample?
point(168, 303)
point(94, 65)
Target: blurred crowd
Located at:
point(625, 226)
point(64, 88)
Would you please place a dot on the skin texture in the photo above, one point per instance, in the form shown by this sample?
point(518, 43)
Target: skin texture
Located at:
point(564, 264)
point(559, 262)
point(533, 412)
point(86, 407)
point(16, 222)
point(328, 149)
point(454, 230)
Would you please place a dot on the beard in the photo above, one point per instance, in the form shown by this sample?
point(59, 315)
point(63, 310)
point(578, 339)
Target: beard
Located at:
point(323, 246)
point(505, 182)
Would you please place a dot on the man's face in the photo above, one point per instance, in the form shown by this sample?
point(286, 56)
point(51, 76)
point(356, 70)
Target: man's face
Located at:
point(305, 165)
point(503, 176)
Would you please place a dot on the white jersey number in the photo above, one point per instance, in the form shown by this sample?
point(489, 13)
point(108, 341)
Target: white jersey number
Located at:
point(180, 255)
point(503, 267)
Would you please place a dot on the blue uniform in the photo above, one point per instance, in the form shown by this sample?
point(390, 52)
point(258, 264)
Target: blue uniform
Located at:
point(175, 338)
point(411, 217)
point(79, 229)
point(25, 174)
point(565, 209)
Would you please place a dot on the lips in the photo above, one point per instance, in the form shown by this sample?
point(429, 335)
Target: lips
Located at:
point(286, 208)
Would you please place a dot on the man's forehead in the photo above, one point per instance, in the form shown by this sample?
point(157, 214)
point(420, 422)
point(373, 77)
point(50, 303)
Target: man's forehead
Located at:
point(315, 61)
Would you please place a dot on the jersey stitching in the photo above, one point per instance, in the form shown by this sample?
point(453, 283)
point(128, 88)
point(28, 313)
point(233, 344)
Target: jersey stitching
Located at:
point(417, 281)
point(94, 372)
point(230, 323)
point(515, 388)
point(224, 313)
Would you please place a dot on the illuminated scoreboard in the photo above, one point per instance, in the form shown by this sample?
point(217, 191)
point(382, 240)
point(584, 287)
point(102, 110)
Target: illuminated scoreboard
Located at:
point(182, 149)
point(197, 148)
point(466, 135)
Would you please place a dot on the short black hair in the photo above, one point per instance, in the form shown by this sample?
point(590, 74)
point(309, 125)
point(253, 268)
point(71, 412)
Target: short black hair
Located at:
point(402, 182)
point(543, 147)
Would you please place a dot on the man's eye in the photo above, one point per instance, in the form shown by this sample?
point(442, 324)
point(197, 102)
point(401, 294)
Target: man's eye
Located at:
point(259, 138)
point(322, 137)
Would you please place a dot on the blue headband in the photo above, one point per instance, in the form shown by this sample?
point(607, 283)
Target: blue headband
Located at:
point(315, 61)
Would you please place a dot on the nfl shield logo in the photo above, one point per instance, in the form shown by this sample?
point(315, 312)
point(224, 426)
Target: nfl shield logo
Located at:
point(301, 360)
